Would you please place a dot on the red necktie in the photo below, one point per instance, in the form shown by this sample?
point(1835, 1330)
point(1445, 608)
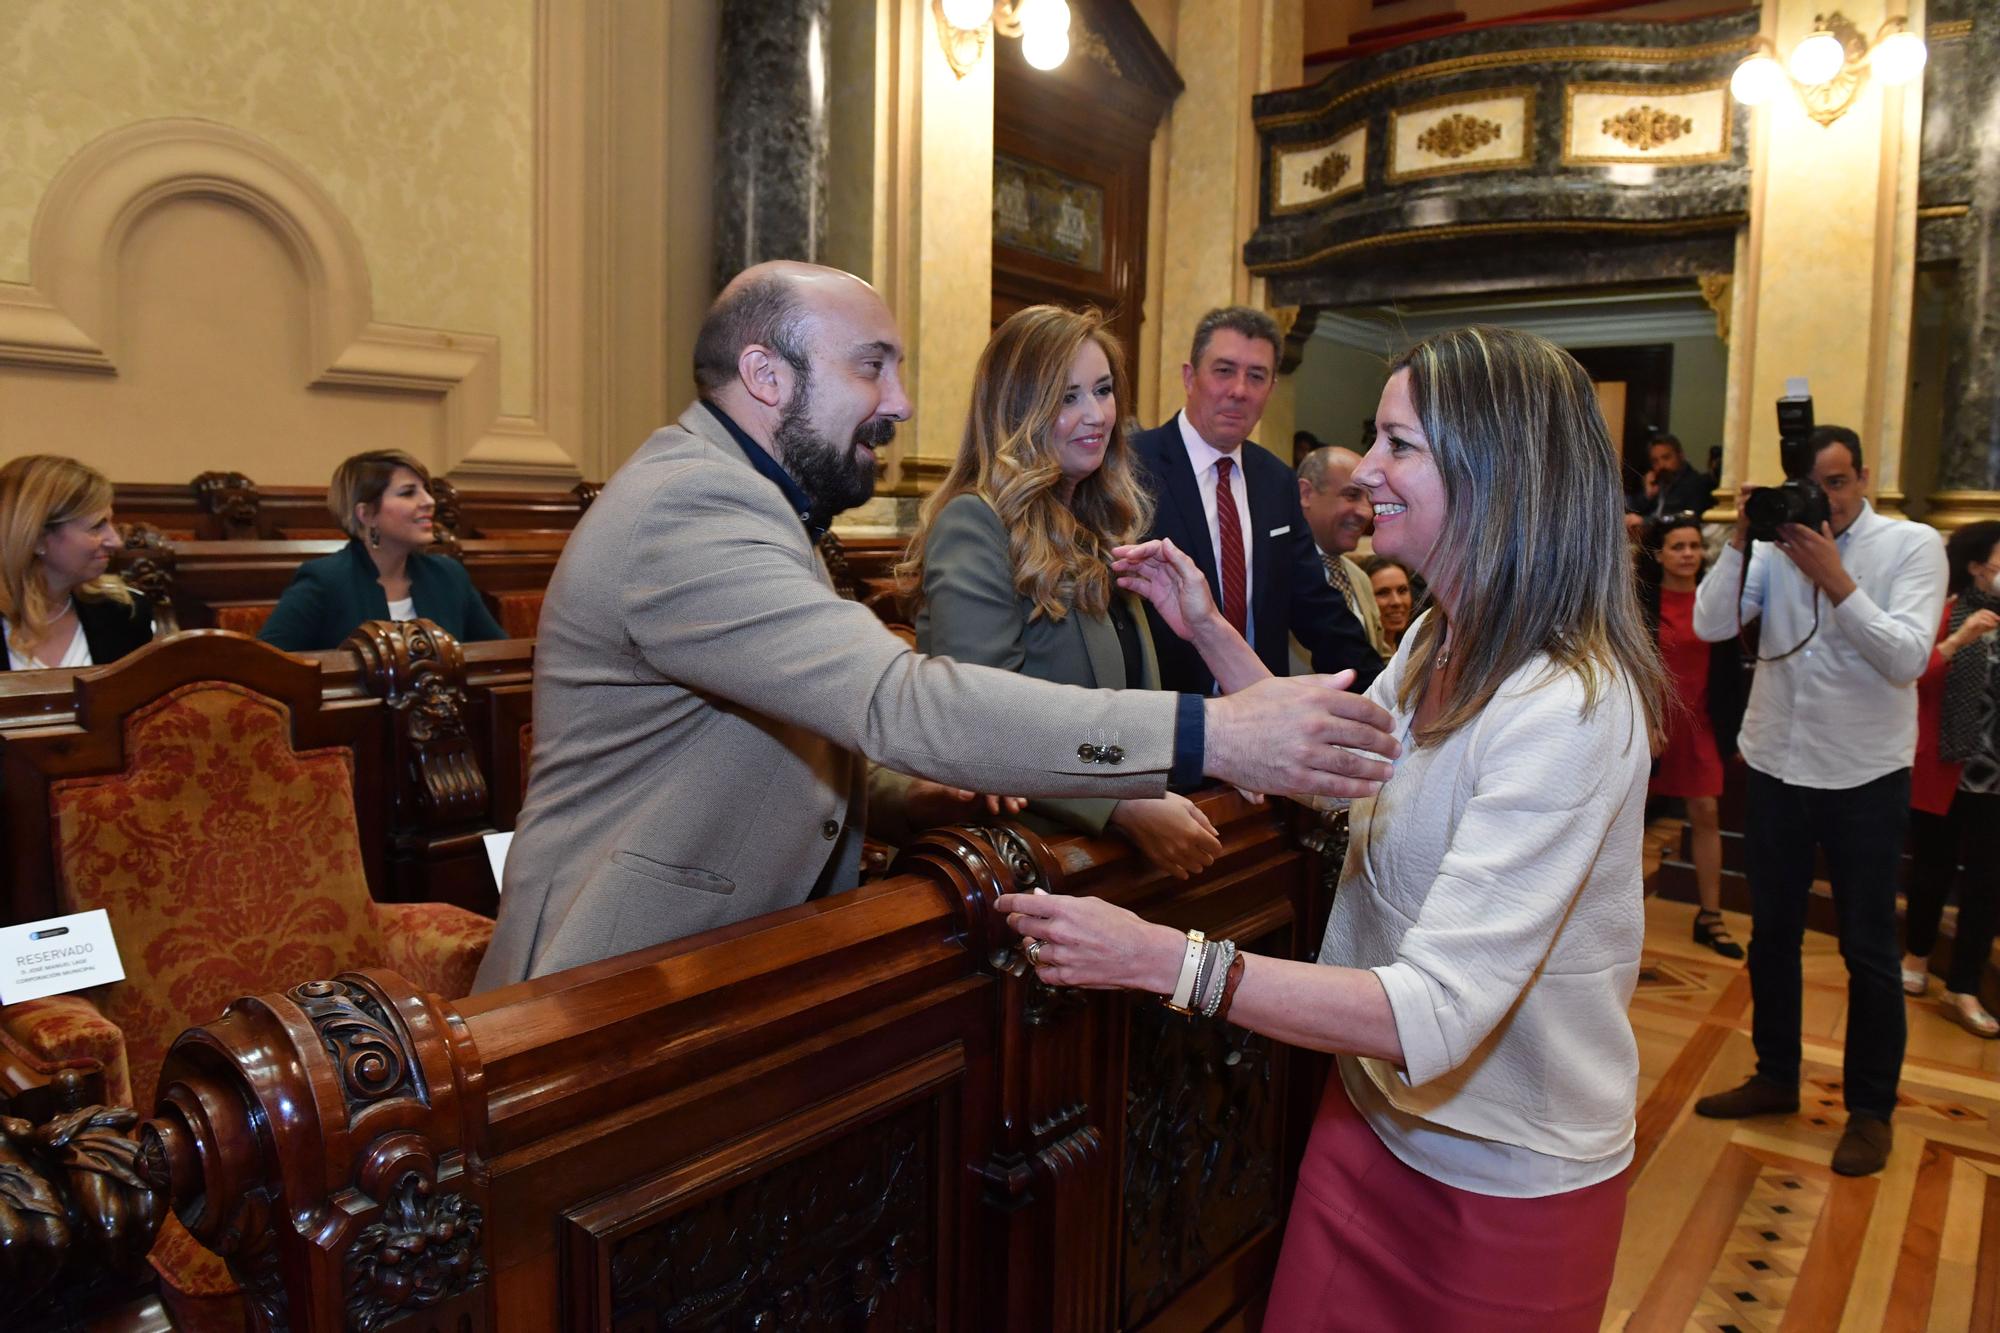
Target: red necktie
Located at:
point(1229, 534)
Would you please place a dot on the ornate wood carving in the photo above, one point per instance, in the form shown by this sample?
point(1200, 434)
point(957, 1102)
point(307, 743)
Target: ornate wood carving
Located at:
point(148, 565)
point(835, 555)
point(423, 1250)
point(1647, 127)
point(1458, 134)
point(586, 493)
point(838, 1239)
point(231, 499)
point(419, 671)
point(447, 518)
point(1201, 1151)
point(316, 1141)
point(359, 1037)
point(77, 1216)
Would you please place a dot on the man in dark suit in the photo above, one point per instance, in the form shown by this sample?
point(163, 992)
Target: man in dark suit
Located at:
point(1671, 485)
point(1234, 508)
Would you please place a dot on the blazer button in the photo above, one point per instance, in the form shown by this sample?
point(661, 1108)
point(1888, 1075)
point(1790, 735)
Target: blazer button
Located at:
point(1087, 752)
point(830, 829)
point(1111, 754)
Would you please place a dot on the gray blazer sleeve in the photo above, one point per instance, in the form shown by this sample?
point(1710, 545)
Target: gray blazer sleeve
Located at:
point(973, 614)
point(732, 603)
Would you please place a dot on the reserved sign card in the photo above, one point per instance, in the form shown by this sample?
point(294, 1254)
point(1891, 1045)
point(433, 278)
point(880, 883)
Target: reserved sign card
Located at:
point(61, 954)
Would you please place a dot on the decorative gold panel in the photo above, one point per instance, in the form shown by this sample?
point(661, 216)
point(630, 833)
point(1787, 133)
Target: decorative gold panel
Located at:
point(1305, 175)
point(1670, 125)
point(1485, 130)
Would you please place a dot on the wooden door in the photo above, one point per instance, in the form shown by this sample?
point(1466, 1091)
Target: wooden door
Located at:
point(1072, 161)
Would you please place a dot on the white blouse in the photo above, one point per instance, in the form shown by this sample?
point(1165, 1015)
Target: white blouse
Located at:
point(1494, 888)
point(76, 655)
point(405, 609)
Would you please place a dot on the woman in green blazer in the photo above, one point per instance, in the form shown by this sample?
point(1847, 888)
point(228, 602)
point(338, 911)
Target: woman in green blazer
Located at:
point(382, 499)
point(1011, 563)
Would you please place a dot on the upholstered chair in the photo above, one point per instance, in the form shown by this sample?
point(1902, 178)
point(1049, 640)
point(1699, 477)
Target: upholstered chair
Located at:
point(225, 846)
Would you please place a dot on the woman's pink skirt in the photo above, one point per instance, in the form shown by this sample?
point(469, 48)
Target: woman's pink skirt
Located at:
point(1373, 1244)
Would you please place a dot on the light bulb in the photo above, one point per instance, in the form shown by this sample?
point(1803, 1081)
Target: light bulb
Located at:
point(969, 15)
point(1757, 80)
point(1818, 59)
point(1045, 48)
point(1899, 59)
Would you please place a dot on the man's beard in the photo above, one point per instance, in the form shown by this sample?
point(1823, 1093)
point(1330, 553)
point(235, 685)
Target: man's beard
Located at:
point(835, 476)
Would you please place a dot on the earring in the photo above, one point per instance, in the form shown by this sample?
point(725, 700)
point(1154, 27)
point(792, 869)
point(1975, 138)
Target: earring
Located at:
point(374, 536)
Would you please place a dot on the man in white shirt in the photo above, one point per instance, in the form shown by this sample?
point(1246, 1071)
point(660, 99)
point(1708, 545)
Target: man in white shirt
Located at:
point(1849, 615)
point(1339, 513)
point(1233, 506)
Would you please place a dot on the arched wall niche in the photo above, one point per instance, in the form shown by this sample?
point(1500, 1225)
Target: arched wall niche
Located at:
point(75, 378)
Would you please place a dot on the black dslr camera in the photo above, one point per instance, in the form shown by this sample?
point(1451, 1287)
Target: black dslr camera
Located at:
point(1798, 499)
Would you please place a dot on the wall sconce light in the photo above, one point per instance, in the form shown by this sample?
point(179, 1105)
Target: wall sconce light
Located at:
point(1830, 67)
point(963, 26)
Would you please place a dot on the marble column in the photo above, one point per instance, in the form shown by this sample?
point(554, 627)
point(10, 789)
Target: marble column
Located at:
point(771, 132)
point(1968, 479)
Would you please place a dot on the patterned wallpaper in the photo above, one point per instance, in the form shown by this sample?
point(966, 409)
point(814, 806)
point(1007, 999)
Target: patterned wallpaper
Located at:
point(417, 119)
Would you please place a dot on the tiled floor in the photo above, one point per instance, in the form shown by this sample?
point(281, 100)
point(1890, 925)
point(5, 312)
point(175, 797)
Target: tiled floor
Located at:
point(1741, 1225)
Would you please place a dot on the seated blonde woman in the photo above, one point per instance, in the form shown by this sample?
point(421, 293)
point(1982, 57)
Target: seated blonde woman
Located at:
point(1011, 563)
point(382, 500)
point(59, 607)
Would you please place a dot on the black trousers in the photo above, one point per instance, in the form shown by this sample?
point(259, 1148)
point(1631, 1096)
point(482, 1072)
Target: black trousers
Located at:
point(1861, 831)
point(1968, 833)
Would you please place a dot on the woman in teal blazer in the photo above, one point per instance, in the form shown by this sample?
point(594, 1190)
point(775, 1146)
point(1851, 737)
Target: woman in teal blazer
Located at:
point(1011, 563)
point(382, 499)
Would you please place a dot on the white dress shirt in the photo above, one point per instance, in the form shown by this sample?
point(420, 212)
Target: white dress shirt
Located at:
point(1842, 711)
point(1202, 455)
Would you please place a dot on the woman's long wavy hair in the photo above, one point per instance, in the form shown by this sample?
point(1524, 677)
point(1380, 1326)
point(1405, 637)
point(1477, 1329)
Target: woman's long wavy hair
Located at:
point(39, 492)
point(1534, 546)
point(1061, 552)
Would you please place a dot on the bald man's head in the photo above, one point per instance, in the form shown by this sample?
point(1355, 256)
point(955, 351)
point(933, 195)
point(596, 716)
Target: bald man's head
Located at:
point(807, 362)
point(1338, 511)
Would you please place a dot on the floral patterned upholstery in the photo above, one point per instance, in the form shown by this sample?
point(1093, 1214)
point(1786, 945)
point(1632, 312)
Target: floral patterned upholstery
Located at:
point(230, 865)
point(519, 613)
point(243, 619)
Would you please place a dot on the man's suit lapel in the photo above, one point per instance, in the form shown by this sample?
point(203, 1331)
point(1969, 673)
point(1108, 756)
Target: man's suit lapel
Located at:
point(1267, 511)
point(1185, 494)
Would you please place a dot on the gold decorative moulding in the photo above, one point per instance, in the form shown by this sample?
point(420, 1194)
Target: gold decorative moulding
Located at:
point(1646, 128)
point(1458, 134)
point(1329, 171)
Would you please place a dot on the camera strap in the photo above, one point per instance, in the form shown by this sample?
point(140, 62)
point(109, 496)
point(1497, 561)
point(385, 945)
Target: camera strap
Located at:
point(1749, 649)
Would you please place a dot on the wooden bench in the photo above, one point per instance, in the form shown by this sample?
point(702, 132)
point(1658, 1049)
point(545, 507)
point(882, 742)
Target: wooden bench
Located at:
point(859, 1112)
point(435, 730)
point(229, 506)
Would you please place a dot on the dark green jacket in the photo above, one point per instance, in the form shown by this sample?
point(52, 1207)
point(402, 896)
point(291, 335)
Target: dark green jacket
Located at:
point(330, 598)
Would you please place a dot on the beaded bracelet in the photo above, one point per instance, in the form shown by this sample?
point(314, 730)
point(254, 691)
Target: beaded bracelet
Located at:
point(1224, 963)
point(1229, 985)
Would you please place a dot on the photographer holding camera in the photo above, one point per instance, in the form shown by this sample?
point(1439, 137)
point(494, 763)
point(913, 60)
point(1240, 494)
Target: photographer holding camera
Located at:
point(1849, 601)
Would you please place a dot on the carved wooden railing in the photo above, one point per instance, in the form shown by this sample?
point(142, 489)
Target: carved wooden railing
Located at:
point(76, 1216)
point(863, 1111)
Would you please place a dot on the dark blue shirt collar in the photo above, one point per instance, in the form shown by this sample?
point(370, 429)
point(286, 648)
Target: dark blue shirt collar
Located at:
point(760, 458)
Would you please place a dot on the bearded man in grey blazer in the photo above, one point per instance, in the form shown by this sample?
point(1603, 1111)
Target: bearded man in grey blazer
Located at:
point(704, 699)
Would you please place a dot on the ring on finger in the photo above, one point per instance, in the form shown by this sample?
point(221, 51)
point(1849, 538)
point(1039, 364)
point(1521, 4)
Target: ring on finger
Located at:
point(1033, 948)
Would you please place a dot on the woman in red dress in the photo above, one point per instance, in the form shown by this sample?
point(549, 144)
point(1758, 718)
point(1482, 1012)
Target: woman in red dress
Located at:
point(1953, 781)
point(1701, 729)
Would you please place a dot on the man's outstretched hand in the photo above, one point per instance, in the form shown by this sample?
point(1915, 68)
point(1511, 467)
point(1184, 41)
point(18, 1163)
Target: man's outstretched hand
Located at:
point(1300, 736)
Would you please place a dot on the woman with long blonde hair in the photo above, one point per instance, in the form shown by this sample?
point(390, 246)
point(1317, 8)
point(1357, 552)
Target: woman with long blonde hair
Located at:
point(1011, 562)
point(59, 605)
point(1468, 1165)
